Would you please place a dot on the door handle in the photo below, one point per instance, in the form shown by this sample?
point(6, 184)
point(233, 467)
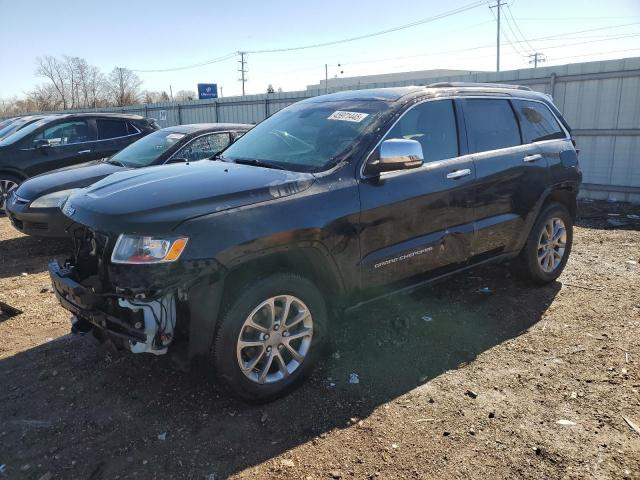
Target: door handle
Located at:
point(459, 173)
point(532, 158)
point(84, 151)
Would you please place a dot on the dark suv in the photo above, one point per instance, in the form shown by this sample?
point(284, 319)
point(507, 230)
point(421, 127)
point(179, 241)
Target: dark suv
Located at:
point(330, 202)
point(57, 141)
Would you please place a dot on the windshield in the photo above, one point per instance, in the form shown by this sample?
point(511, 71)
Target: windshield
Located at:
point(15, 125)
point(147, 150)
point(23, 132)
point(307, 136)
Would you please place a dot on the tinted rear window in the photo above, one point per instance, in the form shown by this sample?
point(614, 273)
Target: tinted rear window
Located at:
point(537, 122)
point(491, 124)
point(111, 129)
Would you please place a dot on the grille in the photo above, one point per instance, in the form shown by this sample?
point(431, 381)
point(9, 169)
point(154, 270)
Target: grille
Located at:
point(90, 252)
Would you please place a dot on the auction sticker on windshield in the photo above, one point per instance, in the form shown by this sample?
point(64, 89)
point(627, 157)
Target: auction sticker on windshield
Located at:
point(348, 116)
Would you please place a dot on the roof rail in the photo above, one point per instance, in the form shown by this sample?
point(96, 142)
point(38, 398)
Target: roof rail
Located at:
point(472, 84)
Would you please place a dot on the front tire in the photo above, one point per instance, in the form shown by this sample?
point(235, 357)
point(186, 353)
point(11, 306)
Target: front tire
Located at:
point(270, 337)
point(8, 183)
point(548, 246)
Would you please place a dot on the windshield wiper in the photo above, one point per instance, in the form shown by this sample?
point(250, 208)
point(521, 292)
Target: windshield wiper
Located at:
point(257, 163)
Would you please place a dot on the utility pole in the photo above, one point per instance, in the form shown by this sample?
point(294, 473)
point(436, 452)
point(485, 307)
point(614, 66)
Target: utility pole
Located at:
point(242, 69)
point(326, 78)
point(497, 6)
point(537, 58)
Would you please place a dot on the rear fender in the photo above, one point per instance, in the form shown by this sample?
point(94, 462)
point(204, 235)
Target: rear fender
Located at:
point(563, 193)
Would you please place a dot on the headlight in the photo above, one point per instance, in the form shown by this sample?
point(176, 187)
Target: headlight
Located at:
point(54, 199)
point(142, 249)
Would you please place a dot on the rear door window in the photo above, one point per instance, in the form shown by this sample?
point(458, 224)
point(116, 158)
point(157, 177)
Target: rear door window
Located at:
point(433, 124)
point(108, 128)
point(491, 124)
point(66, 133)
point(537, 122)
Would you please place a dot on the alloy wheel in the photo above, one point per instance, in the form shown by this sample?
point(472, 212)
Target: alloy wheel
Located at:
point(552, 244)
point(274, 339)
point(6, 186)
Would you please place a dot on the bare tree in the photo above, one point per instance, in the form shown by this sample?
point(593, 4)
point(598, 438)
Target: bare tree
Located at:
point(124, 86)
point(43, 98)
point(184, 95)
point(55, 71)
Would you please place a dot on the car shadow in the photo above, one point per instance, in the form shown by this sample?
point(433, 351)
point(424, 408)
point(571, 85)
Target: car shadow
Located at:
point(30, 254)
point(134, 415)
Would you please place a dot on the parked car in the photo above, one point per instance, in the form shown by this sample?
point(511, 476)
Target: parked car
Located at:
point(17, 123)
point(34, 207)
point(330, 202)
point(58, 141)
point(7, 121)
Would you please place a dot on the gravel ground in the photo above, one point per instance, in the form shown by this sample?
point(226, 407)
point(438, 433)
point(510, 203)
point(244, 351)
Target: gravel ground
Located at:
point(454, 383)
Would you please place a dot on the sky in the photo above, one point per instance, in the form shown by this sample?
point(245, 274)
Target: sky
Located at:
point(159, 34)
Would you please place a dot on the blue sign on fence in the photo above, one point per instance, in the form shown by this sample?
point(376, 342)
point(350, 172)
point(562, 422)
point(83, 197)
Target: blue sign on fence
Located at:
point(207, 90)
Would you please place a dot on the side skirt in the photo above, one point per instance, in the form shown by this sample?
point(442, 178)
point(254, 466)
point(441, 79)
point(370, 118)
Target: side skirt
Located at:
point(421, 283)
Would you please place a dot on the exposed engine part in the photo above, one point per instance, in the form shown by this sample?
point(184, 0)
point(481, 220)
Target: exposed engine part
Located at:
point(159, 323)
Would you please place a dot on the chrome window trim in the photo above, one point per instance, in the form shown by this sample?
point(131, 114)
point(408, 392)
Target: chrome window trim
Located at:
point(96, 140)
point(228, 132)
point(452, 99)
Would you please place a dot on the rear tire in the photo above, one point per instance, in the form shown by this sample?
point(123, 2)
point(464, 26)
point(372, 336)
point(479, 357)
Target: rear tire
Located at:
point(270, 337)
point(7, 184)
point(548, 246)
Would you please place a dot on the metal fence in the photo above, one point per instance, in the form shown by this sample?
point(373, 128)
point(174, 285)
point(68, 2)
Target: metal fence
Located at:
point(600, 100)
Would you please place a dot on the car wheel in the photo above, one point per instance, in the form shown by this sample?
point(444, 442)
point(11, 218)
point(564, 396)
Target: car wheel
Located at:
point(549, 244)
point(270, 337)
point(7, 184)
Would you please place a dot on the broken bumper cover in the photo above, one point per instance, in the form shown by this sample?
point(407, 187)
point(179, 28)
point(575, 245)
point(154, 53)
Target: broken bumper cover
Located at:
point(83, 303)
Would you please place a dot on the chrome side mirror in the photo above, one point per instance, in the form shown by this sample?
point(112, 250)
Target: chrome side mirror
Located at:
point(397, 154)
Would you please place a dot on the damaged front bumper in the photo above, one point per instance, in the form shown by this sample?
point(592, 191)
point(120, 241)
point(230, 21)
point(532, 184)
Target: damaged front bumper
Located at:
point(137, 324)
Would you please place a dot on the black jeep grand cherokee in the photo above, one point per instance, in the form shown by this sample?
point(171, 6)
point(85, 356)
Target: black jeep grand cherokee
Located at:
point(329, 202)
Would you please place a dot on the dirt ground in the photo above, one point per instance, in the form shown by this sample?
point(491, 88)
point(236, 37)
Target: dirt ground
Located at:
point(454, 383)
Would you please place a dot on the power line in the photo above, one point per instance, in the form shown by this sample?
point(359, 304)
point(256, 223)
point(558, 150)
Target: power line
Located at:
point(515, 46)
point(449, 13)
point(480, 47)
point(193, 65)
point(594, 41)
point(587, 30)
point(232, 55)
point(515, 24)
point(486, 46)
point(598, 53)
point(572, 18)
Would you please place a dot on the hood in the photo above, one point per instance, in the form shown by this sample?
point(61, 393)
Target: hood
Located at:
point(157, 199)
point(77, 176)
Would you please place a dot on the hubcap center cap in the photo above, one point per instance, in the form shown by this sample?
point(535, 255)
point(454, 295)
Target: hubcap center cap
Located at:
point(275, 339)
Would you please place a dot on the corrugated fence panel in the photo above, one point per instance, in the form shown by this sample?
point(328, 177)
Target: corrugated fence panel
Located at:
point(629, 116)
point(596, 158)
point(626, 158)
